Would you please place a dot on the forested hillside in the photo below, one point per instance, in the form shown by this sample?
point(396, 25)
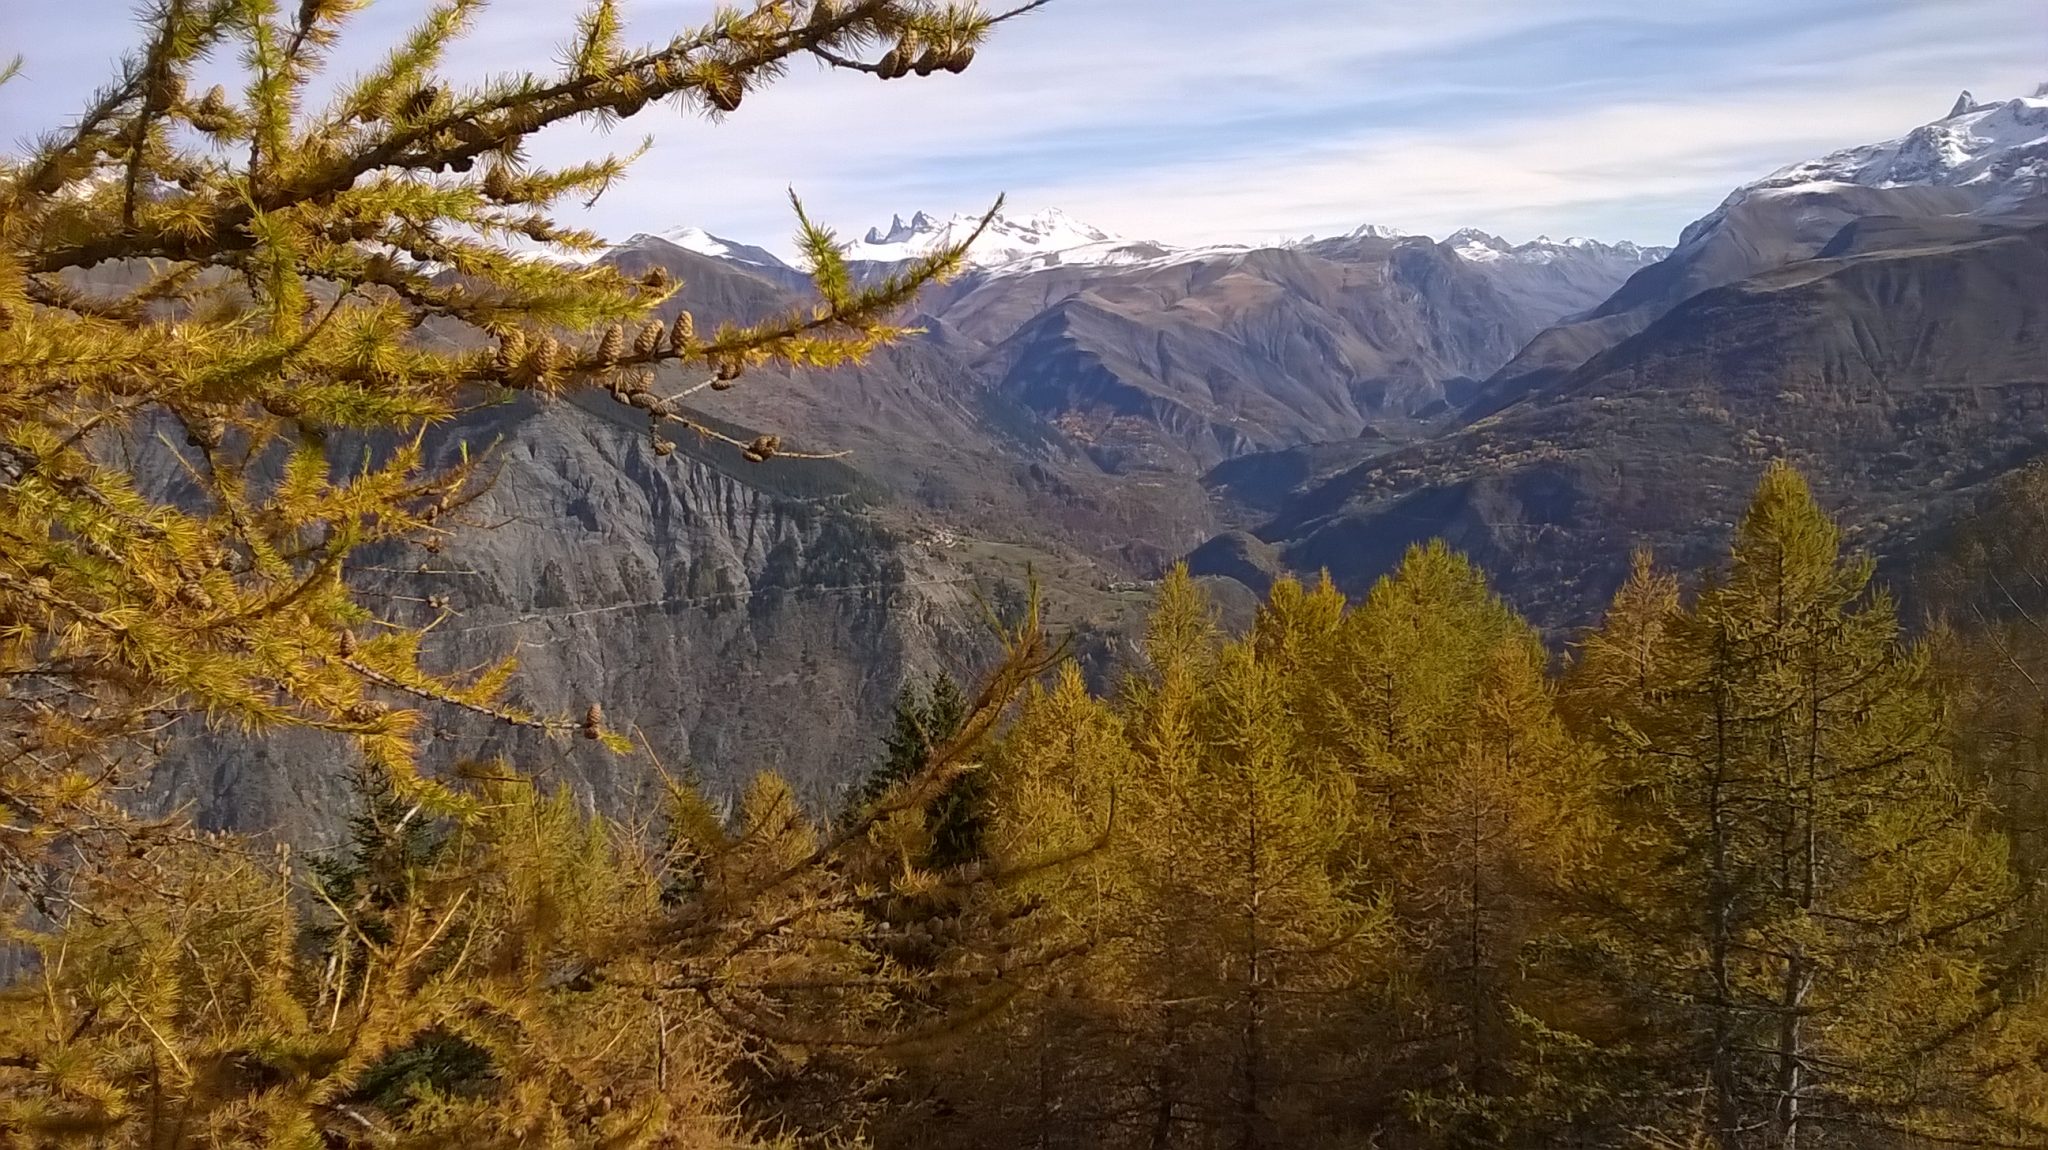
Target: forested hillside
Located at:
point(423, 721)
point(1751, 869)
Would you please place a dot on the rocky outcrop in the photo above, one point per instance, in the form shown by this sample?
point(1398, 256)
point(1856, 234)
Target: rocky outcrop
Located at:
point(733, 618)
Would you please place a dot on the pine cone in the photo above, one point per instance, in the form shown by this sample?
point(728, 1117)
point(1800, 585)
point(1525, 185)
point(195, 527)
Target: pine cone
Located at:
point(207, 433)
point(511, 351)
point(211, 115)
point(593, 722)
point(649, 340)
point(546, 359)
point(462, 163)
point(166, 88)
point(684, 331)
point(195, 597)
point(422, 102)
point(498, 183)
point(283, 404)
point(928, 63)
point(364, 712)
point(763, 449)
point(899, 60)
point(959, 58)
point(345, 643)
point(610, 347)
point(664, 448)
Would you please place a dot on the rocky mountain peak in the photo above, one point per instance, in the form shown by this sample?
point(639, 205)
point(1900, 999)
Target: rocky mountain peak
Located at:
point(1007, 239)
point(902, 231)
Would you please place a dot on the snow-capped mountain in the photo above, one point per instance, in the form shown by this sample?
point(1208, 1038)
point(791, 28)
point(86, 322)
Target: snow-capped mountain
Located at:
point(1475, 246)
point(1363, 232)
point(1008, 240)
point(1997, 150)
point(705, 244)
point(1020, 245)
point(1998, 144)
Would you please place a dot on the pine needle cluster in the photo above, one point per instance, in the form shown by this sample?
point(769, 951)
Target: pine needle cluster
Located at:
point(228, 313)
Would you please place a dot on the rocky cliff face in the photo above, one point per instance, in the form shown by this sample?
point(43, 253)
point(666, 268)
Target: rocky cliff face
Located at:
point(733, 617)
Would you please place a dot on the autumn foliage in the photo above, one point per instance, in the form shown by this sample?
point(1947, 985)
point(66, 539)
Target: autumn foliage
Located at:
point(1744, 866)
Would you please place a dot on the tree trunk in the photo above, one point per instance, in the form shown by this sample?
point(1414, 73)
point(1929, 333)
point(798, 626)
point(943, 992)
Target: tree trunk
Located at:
point(1726, 1084)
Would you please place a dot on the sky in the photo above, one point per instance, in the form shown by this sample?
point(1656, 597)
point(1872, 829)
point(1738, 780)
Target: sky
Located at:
point(1235, 121)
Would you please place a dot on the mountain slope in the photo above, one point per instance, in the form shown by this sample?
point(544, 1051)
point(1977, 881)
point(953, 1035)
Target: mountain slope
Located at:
point(702, 600)
point(1052, 374)
point(1982, 160)
point(1903, 369)
point(1178, 366)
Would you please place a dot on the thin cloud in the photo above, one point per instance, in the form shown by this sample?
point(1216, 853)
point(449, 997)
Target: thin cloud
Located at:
point(1212, 120)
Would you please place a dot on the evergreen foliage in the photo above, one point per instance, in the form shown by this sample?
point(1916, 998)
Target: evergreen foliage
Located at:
point(1368, 876)
point(1753, 872)
point(211, 301)
point(1374, 878)
point(925, 719)
point(1802, 900)
point(523, 973)
point(223, 1010)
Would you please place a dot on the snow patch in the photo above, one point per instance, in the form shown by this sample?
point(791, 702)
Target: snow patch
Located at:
point(1475, 246)
point(703, 243)
point(696, 240)
point(1997, 149)
point(1022, 245)
point(1997, 146)
point(1006, 241)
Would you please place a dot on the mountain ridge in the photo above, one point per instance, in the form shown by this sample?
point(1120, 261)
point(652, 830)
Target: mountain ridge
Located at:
point(1884, 330)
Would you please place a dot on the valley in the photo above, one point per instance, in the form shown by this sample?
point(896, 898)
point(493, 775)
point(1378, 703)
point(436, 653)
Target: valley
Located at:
point(499, 648)
point(1084, 412)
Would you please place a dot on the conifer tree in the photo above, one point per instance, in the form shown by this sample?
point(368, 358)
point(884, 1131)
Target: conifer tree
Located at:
point(233, 287)
point(924, 719)
point(461, 1006)
point(1473, 810)
point(1986, 595)
point(1799, 897)
point(1226, 924)
point(521, 973)
point(1052, 1068)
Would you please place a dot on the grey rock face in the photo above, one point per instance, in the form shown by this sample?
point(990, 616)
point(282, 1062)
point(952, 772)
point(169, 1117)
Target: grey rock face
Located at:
point(732, 617)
